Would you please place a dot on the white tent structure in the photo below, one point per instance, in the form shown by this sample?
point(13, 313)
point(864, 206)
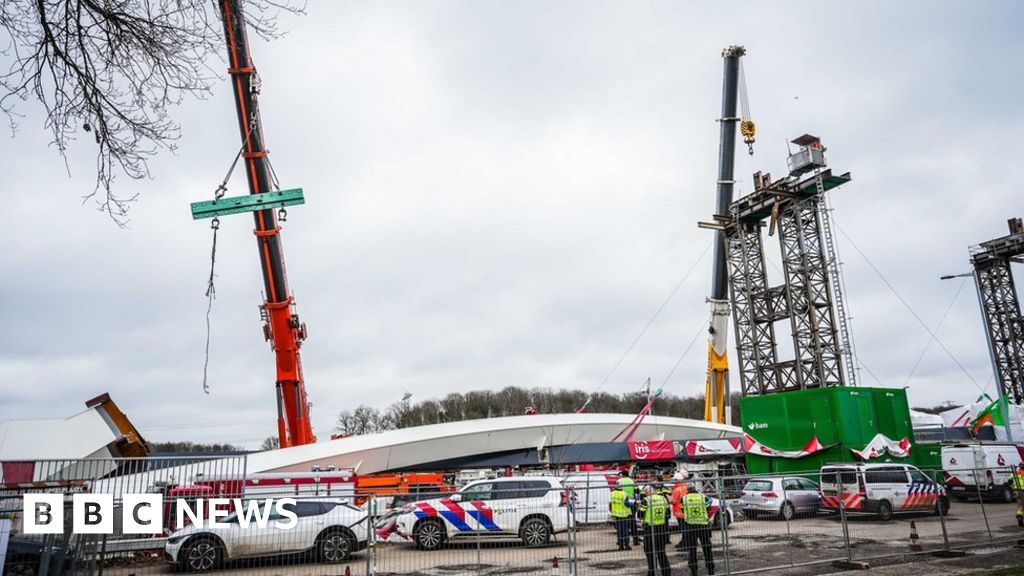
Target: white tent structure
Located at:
point(926, 420)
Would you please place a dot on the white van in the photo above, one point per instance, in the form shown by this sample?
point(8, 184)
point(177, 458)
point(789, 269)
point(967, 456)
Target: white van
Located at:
point(988, 466)
point(883, 489)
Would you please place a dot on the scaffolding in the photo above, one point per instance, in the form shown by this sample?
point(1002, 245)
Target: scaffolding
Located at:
point(1000, 306)
point(811, 289)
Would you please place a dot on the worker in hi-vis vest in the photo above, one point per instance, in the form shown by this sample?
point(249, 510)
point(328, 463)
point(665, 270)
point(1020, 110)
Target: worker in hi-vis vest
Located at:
point(698, 528)
point(621, 508)
point(654, 511)
point(1018, 486)
point(676, 500)
point(629, 486)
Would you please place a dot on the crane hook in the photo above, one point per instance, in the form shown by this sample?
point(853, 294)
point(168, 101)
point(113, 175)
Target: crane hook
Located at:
point(748, 129)
point(282, 215)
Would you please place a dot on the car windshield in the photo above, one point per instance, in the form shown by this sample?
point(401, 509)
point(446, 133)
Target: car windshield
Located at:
point(477, 492)
point(918, 476)
point(758, 485)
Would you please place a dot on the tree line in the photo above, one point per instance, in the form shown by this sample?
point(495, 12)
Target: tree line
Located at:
point(512, 401)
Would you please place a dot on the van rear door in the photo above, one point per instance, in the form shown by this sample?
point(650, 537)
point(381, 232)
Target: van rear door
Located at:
point(959, 463)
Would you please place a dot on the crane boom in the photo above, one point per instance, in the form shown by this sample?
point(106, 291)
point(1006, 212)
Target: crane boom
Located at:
point(281, 327)
point(716, 394)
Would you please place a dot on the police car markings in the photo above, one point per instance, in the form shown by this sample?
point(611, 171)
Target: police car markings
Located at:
point(484, 515)
point(456, 515)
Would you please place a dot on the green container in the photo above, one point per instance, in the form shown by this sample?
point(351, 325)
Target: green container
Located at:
point(844, 418)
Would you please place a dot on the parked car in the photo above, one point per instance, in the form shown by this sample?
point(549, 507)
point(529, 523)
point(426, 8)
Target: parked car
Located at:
point(25, 554)
point(985, 468)
point(782, 497)
point(530, 508)
point(330, 529)
point(714, 506)
point(882, 489)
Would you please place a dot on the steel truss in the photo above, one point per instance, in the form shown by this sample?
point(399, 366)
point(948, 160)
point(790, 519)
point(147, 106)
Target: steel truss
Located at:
point(754, 307)
point(806, 297)
point(1000, 305)
point(809, 296)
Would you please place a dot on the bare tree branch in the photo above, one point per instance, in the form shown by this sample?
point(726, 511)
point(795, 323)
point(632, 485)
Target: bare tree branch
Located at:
point(112, 69)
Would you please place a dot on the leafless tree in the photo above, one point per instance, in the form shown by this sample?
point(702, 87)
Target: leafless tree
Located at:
point(112, 69)
point(270, 443)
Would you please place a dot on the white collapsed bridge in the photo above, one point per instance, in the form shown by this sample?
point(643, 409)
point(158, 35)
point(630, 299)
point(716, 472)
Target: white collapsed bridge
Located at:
point(515, 440)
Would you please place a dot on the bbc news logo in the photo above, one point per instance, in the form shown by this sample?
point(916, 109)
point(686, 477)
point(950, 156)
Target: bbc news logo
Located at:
point(144, 513)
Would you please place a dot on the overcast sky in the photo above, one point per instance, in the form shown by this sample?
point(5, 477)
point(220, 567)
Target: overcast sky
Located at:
point(503, 193)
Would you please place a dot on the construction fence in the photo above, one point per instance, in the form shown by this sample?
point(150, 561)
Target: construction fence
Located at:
point(543, 524)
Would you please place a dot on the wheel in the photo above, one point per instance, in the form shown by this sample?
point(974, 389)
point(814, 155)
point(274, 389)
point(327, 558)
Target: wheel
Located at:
point(336, 546)
point(535, 532)
point(943, 505)
point(788, 511)
point(1006, 495)
point(201, 556)
point(429, 535)
point(884, 511)
point(21, 567)
point(713, 520)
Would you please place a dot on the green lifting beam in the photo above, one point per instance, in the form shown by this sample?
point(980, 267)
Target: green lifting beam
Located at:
point(247, 203)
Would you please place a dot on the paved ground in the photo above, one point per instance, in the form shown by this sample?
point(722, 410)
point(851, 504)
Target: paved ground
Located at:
point(801, 547)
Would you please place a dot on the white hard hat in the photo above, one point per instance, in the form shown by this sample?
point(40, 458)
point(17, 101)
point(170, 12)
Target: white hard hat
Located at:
point(681, 475)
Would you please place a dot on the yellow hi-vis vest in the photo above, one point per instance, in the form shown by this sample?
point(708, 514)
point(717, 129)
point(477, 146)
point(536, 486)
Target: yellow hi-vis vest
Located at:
point(619, 508)
point(628, 485)
point(695, 509)
point(1018, 480)
point(655, 510)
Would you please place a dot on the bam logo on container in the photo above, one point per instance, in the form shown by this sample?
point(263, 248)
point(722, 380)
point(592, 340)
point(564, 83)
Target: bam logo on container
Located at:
point(144, 513)
point(757, 425)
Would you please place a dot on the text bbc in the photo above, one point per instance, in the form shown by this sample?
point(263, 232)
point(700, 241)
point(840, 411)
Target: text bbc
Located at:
point(144, 513)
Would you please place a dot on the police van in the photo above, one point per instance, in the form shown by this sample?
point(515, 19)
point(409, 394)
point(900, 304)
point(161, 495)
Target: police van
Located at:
point(527, 508)
point(882, 489)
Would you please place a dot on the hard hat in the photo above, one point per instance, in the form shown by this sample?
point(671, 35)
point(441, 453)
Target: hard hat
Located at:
point(679, 476)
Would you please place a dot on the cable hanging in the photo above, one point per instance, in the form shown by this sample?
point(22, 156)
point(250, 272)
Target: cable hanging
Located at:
point(211, 289)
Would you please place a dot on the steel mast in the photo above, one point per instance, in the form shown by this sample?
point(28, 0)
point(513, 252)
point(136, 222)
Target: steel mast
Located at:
point(716, 393)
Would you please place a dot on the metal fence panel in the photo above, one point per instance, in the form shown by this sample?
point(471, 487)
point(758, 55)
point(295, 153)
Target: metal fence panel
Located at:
point(758, 523)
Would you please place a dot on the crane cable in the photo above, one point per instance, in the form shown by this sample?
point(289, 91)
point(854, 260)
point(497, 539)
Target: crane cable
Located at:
point(211, 290)
point(747, 127)
point(644, 329)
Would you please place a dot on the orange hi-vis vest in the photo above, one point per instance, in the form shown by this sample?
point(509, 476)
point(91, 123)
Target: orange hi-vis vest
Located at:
point(678, 493)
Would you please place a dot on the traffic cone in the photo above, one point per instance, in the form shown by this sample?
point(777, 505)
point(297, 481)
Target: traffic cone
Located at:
point(915, 541)
point(348, 571)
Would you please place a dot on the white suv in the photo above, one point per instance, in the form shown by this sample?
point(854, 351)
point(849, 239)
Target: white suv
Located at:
point(332, 529)
point(530, 508)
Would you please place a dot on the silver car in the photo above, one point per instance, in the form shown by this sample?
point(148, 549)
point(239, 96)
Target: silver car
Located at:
point(781, 497)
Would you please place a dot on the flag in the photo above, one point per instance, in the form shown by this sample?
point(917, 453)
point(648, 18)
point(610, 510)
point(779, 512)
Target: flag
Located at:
point(991, 414)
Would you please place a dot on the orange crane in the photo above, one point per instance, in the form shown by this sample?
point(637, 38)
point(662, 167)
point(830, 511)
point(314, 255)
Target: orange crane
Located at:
point(281, 324)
